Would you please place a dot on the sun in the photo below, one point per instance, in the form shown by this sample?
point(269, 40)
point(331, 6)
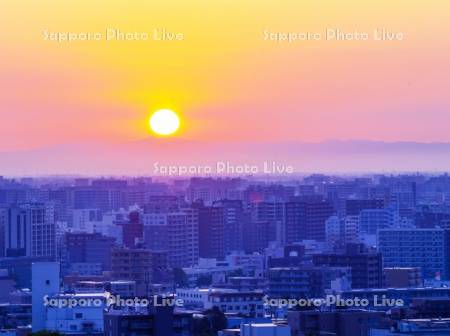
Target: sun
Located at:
point(164, 122)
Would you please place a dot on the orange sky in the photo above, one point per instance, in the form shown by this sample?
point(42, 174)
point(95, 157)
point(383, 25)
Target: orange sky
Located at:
point(224, 78)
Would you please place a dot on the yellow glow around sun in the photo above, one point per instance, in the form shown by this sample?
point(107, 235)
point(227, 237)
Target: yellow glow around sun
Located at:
point(164, 122)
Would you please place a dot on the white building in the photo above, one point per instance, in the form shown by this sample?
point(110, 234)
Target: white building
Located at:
point(372, 220)
point(334, 229)
point(351, 229)
point(177, 233)
point(227, 300)
point(83, 316)
point(31, 231)
point(123, 288)
point(87, 220)
point(44, 282)
point(251, 264)
point(86, 268)
point(265, 329)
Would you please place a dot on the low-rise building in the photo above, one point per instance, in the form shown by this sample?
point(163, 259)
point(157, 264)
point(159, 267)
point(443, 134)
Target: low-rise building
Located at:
point(248, 303)
point(342, 323)
point(306, 281)
point(76, 314)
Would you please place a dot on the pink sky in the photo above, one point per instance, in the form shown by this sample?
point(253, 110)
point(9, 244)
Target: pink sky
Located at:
point(226, 81)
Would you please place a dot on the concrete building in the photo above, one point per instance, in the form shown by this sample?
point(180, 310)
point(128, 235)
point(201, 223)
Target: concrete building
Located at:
point(30, 231)
point(14, 316)
point(334, 230)
point(342, 323)
point(351, 229)
point(149, 321)
point(7, 285)
point(396, 297)
point(428, 249)
point(234, 222)
point(306, 281)
point(90, 248)
point(45, 282)
point(176, 233)
point(211, 232)
point(353, 207)
point(366, 266)
point(305, 219)
point(246, 303)
point(142, 266)
point(83, 317)
point(265, 329)
point(372, 220)
point(402, 277)
point(87, 220)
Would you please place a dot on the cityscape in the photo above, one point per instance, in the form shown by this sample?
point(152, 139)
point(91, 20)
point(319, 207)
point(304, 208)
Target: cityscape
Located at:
point(309, 255)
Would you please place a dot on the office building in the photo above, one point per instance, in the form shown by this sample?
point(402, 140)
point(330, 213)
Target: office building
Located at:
point(30, 231)
point(428, 249)
point(305, 219)
point(366, 266)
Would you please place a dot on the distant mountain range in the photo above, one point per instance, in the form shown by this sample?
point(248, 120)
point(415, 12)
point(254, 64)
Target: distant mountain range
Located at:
point(139, 157)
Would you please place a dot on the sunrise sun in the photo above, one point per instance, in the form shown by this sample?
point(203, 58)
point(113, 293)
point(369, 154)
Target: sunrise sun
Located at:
point(164, 122)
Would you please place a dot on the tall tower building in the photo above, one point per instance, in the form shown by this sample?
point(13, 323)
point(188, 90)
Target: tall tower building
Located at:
point(233, 221)
point(305, 219)
point(174, 232)
point(30, 231)
point(211, 232)
point(44, 281)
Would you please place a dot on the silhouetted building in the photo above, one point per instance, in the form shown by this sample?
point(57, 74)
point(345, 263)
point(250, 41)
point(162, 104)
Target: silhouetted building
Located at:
point(366, 266)
point(87, 248)
point(305, 219)
point(354, 206)
point(211, 232)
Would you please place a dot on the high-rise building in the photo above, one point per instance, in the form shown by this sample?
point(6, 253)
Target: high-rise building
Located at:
point(176, 233)
point(211, 232)
point(143, 266)
point(181, 240)
point(30, 231)
point(45, 281)
point(366, 266)
point(91, 248)
point(258, 235)
point(3, 221)
point(428, 249)
point(86, 220)
point(208, 190)
point(234, 218)
point(191, 236)
point(334, 230)
point(354, 206)
point(372, 220)
point(305, 219)
point(132, 229)
point(305, 281)
point(351, 229)
point(155, 231)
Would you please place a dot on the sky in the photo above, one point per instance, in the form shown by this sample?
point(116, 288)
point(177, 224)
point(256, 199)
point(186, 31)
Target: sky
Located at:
point(227, 81)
